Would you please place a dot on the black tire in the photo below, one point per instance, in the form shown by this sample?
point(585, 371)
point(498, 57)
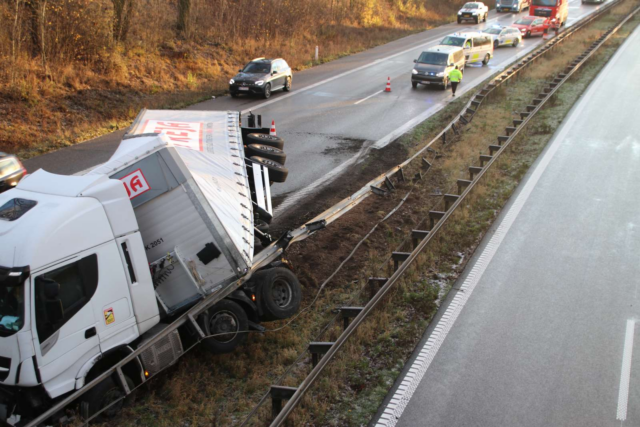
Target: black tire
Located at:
point(485, 17)
point(233, 94)
point(516, 42)
point(445, 84)
point(496, 44)
point(477, 19)
point(228, 318)
point(267, 152)
point(265, 139)
point(527, 34)
point(279, 293)
point(102, 395)
point(277, 172)
point(459, 21)
point(414, 84)
point(267, 91)
point(486, 59)
point(287, 84)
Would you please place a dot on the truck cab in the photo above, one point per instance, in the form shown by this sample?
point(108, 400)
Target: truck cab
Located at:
point(70, 253)
point(515, 6)
point(557, 10)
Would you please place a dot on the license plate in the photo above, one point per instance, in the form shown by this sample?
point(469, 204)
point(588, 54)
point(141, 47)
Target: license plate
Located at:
point(243, 88)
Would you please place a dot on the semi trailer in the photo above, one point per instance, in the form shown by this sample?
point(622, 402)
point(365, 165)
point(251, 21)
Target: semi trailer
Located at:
point(110, 277)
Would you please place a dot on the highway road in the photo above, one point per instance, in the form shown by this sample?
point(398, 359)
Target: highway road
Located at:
point(542, 327)
point(336, 111)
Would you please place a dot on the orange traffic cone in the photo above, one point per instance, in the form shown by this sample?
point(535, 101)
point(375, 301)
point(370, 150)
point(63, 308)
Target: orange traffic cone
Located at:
point(388, 88)
point(273, 128)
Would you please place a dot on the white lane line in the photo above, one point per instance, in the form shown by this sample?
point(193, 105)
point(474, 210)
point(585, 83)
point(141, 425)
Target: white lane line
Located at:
point(625, 373)
point(370, 96)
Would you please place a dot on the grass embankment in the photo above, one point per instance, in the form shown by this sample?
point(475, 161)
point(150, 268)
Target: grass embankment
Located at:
point(67, 75)
point(221, 390)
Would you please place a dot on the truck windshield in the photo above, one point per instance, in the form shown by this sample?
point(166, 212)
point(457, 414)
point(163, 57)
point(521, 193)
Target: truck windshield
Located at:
point(11, 301)
point(433, 58)
point(548, 3)
point(453, 41)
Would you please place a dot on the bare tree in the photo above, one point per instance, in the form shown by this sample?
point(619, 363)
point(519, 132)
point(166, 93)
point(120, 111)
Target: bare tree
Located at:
point(184, 12)
point(122, 12)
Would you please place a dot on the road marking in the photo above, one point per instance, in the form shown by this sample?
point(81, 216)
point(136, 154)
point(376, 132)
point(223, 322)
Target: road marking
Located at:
point(370, 96)
point(625, 373)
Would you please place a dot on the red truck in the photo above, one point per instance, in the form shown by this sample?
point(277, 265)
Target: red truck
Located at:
point(551, 9)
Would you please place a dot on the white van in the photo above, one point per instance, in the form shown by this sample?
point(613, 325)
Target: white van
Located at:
point(434, 65)
point(478, 47)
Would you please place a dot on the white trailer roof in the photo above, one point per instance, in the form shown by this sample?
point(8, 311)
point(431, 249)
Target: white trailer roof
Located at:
point(210, 145)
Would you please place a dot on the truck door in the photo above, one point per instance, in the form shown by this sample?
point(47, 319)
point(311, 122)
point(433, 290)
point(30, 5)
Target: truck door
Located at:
point(65, 323)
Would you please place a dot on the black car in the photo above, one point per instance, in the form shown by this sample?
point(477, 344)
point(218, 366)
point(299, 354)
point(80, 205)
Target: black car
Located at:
point(11, 171)
point(262, 76)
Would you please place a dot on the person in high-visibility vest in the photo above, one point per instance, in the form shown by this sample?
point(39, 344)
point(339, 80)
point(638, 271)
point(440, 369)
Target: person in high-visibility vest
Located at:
point(455, 76)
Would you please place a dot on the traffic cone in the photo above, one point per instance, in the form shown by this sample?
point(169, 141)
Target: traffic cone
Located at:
point(273, 128)
point(388, 88)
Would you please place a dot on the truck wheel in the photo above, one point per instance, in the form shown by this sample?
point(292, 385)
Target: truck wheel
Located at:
point(277, 172)
point(102, 395)
point(459, 21)
point(226, 321)
point(267, 152)
point(280, 293)
point(265, 139)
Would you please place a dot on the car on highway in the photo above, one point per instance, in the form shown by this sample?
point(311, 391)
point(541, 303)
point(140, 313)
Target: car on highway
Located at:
point(530, 26)
point(504, 36)
point(262, 76)
point(478, 47)
point(515, 6)
point(473, 11)
point(434, 65)
point(11, 171)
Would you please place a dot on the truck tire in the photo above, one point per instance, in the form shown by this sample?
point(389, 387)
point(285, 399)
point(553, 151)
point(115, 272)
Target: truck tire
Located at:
point(265, 139)
point(279, 293)
point(267, 152)
point(102, 395)
point(277, 172)
point(227, 321)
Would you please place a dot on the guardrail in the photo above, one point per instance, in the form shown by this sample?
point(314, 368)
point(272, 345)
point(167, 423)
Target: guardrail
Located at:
point(437, 219)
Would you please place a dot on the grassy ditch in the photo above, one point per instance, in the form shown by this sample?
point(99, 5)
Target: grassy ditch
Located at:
point(221, 390)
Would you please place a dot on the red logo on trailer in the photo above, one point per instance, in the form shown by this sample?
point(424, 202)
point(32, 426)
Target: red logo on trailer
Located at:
point(182, 134)
point(135, 184)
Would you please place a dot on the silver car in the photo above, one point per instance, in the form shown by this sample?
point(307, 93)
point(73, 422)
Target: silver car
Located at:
point(504, 36)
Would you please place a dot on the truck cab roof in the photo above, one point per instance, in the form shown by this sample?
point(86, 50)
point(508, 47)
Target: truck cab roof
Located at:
point(50, 217)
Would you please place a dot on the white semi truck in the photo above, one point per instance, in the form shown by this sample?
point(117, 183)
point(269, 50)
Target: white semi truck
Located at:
point(108, 278)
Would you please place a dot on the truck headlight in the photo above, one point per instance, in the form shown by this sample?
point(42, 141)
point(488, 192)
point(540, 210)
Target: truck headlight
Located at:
point(231, 81)
point(260, 82)
point(441, 74)
point(414, 71)
point(459, 13)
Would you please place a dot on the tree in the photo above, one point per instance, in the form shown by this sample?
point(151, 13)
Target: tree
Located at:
point(184, 11)
point(122, 11)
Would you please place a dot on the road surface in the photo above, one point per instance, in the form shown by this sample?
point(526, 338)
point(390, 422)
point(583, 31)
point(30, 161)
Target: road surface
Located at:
point(541, 330)
point(336, 111)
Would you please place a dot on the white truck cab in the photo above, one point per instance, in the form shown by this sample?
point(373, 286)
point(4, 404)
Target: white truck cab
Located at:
point(94, 266)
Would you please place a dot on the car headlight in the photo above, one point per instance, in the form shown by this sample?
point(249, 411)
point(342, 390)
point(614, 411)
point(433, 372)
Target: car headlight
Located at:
point(414, 71)
point(231, 81)
point(441, 74)
point(459, 13)
point(260, 82)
